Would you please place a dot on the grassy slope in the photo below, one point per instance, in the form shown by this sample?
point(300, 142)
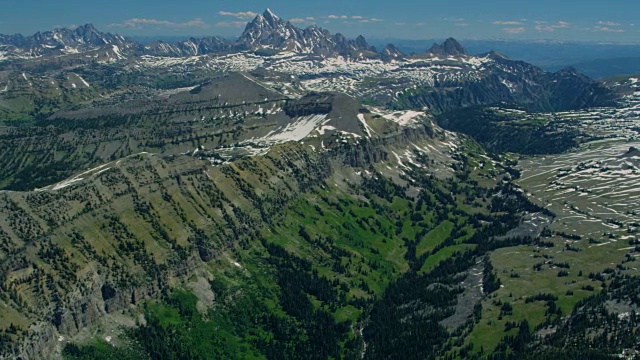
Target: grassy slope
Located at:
point(165, 217)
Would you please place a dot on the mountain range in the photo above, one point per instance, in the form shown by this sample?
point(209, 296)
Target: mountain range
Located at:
point(59, 41)
point(266, 31)
point(297, 194)
point(443, 77)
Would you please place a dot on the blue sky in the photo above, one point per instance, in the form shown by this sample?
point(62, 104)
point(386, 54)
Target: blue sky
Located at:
point(585, 20)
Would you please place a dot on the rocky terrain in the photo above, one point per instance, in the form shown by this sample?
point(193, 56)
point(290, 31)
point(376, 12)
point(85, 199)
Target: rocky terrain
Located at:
point(294, 191)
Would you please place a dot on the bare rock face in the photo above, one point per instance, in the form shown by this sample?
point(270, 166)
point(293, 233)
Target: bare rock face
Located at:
point(311, 104)
point(633, 152)
point(450, 47)
point(87, 304)
point(84, 308)
point(42, 342)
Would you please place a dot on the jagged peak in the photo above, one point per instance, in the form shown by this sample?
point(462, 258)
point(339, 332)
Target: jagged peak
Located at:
point(87, 27)
point(450, 47)
point(265, 20)
point(268, 31)
point(268, 14)
point(360, 40)
point(391, 52)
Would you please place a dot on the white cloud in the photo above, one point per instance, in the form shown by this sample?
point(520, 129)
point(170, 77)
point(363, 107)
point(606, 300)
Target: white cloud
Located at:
point(608, 29)
point(507, 22)
point(239, 15)
point(609, 23)
point(516, 30)
point(357, 18)
point(307, 19)
point(137, 23)
point(541, 27)
point(460, 24)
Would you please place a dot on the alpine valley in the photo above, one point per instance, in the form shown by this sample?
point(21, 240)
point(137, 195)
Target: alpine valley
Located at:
point(297, 194)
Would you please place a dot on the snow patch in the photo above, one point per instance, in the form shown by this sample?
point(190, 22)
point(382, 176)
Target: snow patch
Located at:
point(83, 81)
point(404, 118)
point(294, 131)
point(366, 126)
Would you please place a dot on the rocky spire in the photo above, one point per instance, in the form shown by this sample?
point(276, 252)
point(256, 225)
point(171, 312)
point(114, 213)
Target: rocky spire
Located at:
point(450, 47)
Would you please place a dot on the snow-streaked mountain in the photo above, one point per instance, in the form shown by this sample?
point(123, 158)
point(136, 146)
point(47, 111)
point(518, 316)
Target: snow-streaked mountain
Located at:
point(268, 31)
point(191, 47)
point(293, 62)
point(61, 41)
point(391, 52)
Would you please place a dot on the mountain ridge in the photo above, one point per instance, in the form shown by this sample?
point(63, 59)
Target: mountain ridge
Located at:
point(58, 40)
point(265, 31)
point(296, 194)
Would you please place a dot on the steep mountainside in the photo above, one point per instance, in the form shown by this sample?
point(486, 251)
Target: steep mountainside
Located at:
point(295, 194)
point(78, 253)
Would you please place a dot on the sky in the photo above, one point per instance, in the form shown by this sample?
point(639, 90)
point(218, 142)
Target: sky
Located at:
point(564, 20)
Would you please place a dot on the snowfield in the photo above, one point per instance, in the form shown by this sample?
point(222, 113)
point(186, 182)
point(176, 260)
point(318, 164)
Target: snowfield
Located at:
point(294, 131)
point(598, 185)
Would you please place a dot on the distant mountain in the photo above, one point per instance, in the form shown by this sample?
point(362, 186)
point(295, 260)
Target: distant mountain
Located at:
point(506, 81)
point(189, 47)
point(268, 31)
point(450, 47)
point(441, 78)
point(391, 52)
point(82, 38)
point(549, 55)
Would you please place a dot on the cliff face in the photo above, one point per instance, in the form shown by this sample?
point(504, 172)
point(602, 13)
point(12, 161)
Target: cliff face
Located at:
point(377, 150)
point(311, 104)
